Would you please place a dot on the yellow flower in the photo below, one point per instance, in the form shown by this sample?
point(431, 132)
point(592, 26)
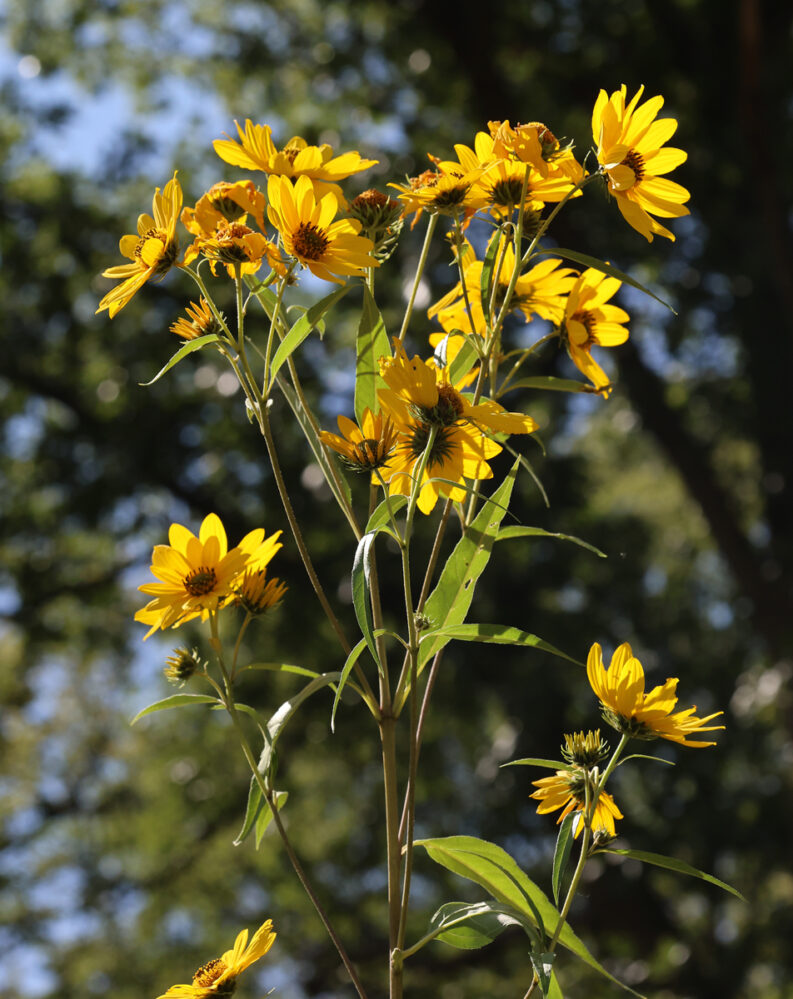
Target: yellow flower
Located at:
point(309, 233)
point(233, 244)
point(534, 143)
point(421, 392)
point(419, 398)
point(449, 189)
point(627, 708)
point(566, 790)
point(629, 142)
point(502, 183)
point(590, 321)
point(153, 251)
point(200, 321)
point(257, 151)
point(365, 448)
point(256, 594)
point(197, 574)
point(225, 202)
point(219, 977)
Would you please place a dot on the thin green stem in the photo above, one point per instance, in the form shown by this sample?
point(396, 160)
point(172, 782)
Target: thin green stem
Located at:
point(388, 740)
point(579, 186)
point(419, 272)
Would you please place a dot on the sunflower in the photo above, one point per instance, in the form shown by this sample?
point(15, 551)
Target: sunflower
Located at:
point(567, 790)
point(534, 143)
point(219, 976)
point(630, 711)
point(309, 233)
point(364, 448)
point(153, 251)
point(225, 202)
point(200, 321)
point(590, 321)
point(256, 594)
point(502, 183)
point(449, 189)
point(233, 244)
point(197, 574)
point(257, 151)
point(629, 142)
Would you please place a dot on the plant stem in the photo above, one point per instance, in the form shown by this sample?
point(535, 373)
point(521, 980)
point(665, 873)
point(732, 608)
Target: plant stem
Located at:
point(388, 740)
point(419, 271)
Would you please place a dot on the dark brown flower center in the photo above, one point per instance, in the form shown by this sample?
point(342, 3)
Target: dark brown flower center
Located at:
point(309, 242)
point(291, 153)
point(446, 411)
point(635, 161)
point(200, 582)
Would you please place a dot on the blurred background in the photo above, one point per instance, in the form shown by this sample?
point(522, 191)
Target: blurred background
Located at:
point(117, 873)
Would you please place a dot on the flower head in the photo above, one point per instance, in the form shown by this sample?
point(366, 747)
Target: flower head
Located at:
point(629, 141)
point(225, 202)
point(567, 790)
point(590, 321)
point(306, 223)
point(153, 251)
point(200, 321)
point(449, 189)
point(197, 575)
point(257, 151)
point(534, 143)
point(364, 448)
point(233, 244)
point(219, 976)
point(628, 709)
point(181, 665)
point(257, 594)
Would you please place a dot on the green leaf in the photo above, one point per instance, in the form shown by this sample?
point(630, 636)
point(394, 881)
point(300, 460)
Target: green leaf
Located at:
point(550, 383)
point(278, 722)
point(361, 588)
point(352, 659)
point(488, 267)
point(672, 864)
point(371, 344)
point(301, 329)
point(535, 761)
point(554, 992)
point(464, 360)
point(380, 517)
point(498, 634)
point(266, 815)
point(468, 926)
point(561, 855)
point(282, 668)
point(449, 602)
point(327, 462)
point(176, 701)
point(188, 348)
point(494, 870)
point(507, 533)
point(543, 965)
point(603, 267)
point(645, 756)
point(252, 809)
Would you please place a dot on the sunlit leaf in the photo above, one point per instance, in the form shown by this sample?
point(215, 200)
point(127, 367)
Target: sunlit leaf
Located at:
point(371, 344)
point(176, 701)
point(188, 348)
point(672, 864)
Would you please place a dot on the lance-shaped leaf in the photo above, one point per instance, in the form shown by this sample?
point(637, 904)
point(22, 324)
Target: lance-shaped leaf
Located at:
point(549, 383)
point(380, 515)
point(499, 634)
point(176, 701)
point(488, 268)
point(279, 720)
point(352, 659)
point(672, 864)
point(508, 533)
point(543, 968)
point(464, 360)
point(370, 345)
point(188, 348)
point(361, 589)
point(606, 268)
point(494, 870)
point(449, 602)
point(469, 926)
point(301, 329)
point(265, 816)
point(536, 761)
point(561, 855)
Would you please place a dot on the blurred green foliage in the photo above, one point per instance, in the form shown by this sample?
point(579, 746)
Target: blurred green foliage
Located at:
point(117, 874)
